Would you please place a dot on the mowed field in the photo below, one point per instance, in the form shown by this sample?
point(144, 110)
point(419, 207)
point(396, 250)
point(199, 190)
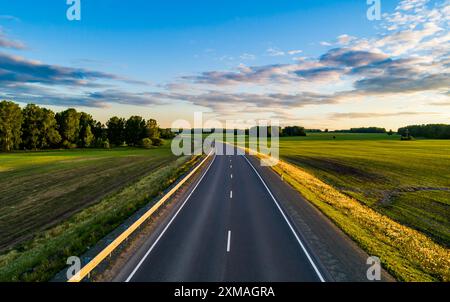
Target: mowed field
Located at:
point(40, 189)
point(409, 181)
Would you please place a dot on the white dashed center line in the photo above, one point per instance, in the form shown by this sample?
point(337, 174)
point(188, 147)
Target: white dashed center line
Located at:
point(229, 242)
point(231, 194)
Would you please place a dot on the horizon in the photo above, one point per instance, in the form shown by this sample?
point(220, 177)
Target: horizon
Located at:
point(317, 64)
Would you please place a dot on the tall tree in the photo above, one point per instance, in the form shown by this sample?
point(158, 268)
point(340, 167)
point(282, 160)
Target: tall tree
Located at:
point(116, 129)
point(152, 129)
point(69, 127)
point(86, 137)
point(10, 125)
point(99, 131)
point(86, 125)
point(50, 135)
point(134, 130)
point(32, 126)
point(39, 128)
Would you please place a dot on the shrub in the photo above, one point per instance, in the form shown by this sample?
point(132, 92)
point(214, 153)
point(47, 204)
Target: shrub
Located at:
point(146, 143)
point(157, 141)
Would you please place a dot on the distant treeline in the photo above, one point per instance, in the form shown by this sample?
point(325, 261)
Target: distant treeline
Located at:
point(363, 130)
point(436, 131)
point(261, 131)
point(34, 127)
point(283, 132)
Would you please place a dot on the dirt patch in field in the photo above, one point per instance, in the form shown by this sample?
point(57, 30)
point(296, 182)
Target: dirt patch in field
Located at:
point(390, 195)
point(335, 167)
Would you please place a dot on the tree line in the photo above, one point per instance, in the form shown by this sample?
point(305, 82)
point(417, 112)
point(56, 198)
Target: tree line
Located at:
point(363, 130)
point(34, 128)
point(282, 132)
point(434, 131)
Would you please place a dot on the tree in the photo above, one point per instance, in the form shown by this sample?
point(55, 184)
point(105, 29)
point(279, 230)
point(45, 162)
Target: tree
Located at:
point(86, 125)
point(152, 129)
point(156, 141)
point(86, 137)
point(32, 126)
point(167, 133)
point(368, 130)
point(436, 131)
point(10, 125)
point(294, 131)
point(39, 128)
point(134, 130)
point(69, 127)
point(390, 133)
point(146, 143)
point(99, 131)
point(51, 136)
point(116, 130)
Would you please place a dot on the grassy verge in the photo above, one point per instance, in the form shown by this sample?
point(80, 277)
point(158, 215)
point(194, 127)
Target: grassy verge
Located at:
point(406, 253)
point(43, 256)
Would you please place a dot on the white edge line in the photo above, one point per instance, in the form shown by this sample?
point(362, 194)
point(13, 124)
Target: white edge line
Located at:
point(229, 242)
point(290, 226)
point(168, 225)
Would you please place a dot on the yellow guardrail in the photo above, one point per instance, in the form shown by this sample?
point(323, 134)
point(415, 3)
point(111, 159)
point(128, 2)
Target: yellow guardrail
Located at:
point(88, 268)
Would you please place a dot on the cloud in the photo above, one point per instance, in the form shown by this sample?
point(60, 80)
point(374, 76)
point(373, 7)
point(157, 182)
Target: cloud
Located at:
point(247, 56)
point(410, 55)
point(128, 98)
point(351, 58)
point(294, 52)
point(5, 42)
point(319, 73)
point(363, 115)
point(244, 74)
point(15, 69)
point(404, 83)
point(275, 52)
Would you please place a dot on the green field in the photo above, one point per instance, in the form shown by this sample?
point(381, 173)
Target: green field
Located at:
point(37, 190)
point(55, 204)
point(409, 181)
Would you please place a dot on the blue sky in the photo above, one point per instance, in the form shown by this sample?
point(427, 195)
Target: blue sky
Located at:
point(163, 58)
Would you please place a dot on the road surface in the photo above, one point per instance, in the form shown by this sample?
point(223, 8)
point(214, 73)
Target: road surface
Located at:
point(232, 227)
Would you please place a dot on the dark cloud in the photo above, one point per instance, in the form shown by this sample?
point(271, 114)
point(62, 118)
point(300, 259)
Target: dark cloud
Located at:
point(15, 69)
point(403, 83)
point(255, 74)
point(122, 97)
point(350, 58)
point(319, 73)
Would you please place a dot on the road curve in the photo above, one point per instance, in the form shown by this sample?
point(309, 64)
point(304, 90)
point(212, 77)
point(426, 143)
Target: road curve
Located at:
point(229, 229)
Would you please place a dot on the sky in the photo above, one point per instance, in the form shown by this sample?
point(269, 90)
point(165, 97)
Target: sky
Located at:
point(316, 63)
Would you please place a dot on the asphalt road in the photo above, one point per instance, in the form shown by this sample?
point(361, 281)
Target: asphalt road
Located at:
point(230, 229)
point(240, 223)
